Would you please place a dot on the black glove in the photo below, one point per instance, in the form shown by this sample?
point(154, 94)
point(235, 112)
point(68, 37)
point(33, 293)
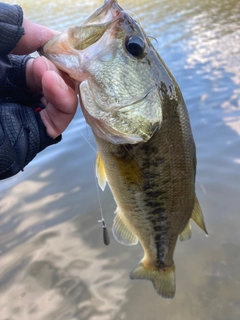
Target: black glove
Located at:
point(11, 30)
point(22, 132)
point(22, 136)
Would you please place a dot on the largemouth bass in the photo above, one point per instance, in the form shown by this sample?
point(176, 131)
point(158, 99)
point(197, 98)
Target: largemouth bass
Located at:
point(146, 150)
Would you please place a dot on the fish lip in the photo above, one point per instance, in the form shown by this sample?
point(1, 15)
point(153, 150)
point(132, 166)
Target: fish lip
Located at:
point(108, 12)
point(116, 16)
point(58, 48)
point(107, 15)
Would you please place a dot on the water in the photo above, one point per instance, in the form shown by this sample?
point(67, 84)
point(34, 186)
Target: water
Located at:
point(53, 261)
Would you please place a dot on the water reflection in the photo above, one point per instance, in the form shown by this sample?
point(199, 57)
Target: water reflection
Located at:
point(57, 269)
point(53, 262)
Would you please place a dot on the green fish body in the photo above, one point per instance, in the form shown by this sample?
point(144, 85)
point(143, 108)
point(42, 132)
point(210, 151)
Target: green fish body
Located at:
point(146, 150)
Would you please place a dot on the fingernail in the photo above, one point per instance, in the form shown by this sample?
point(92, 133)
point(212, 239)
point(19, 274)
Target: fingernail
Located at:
point(46, 62)
point(61, 82)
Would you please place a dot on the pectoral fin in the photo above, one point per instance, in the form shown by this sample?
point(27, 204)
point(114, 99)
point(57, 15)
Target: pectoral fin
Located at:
point(121, 232)
point(197, 216)
point(186, 233)
point(100, 172)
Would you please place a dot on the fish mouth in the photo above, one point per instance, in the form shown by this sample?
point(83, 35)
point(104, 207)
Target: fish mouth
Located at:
point(67, 50)
point(102, 19)
point(113, 117)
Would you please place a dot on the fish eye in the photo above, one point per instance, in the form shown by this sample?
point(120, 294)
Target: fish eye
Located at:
point(135, 46)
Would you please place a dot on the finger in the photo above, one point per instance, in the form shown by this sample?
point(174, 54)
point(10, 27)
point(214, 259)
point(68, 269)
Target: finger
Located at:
point(34, 37)
point(61, 103)
point(35, 70)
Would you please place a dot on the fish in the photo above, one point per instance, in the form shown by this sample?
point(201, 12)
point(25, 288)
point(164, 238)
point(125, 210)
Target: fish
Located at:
point(146, 151)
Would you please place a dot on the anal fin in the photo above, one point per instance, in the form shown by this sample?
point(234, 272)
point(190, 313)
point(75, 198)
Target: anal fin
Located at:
point(186, 233)
point(121, 232)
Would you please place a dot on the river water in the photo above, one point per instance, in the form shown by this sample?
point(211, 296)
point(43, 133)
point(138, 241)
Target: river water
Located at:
point(53, 263)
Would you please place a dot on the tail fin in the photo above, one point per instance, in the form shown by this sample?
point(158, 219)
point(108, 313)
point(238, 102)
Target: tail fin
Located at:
point(163, 280)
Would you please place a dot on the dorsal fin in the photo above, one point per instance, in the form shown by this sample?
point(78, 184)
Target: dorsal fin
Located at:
point(100, 172)
point(197, 216)
point(121, 232)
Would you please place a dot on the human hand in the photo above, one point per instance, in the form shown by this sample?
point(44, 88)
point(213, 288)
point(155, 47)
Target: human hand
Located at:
point(21, 130)
point(58, 94)
point(42, 76)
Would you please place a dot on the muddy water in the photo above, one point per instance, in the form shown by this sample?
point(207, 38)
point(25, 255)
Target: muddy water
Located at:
point(53, 264)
